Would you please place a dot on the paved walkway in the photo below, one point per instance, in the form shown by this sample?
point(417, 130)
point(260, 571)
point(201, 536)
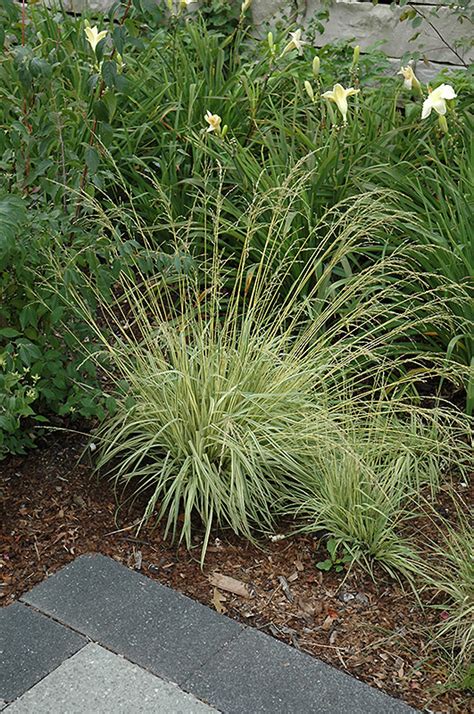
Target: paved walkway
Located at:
point(97, 637)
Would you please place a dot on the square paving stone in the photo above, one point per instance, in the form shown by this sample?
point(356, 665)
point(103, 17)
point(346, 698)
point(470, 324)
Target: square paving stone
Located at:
point(256, 673)
point(31, 646)
point(129, 613)
point(95, 680)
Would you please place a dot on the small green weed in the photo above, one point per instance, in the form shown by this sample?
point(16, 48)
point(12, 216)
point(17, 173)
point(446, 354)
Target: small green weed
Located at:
point(337, 560)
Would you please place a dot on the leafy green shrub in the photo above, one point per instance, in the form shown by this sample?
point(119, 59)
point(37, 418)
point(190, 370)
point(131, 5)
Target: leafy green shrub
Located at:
point(124, 122)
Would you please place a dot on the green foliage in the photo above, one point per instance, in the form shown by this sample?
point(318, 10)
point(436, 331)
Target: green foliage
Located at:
point(335, 561)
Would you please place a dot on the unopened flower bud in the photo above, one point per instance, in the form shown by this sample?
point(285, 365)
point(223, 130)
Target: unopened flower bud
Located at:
point(355, 56)
point(316, 65)
point(309, 90)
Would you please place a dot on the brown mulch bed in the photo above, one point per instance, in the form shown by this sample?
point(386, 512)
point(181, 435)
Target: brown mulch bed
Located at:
point(54, 511)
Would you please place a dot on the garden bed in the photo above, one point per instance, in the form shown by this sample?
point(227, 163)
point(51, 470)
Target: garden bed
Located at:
point(53, 511)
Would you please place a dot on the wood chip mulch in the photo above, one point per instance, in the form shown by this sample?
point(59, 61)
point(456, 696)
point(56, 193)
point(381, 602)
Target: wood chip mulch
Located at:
point(54, 511)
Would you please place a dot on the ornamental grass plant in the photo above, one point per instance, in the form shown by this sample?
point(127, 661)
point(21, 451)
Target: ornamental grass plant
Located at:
point(233, 407)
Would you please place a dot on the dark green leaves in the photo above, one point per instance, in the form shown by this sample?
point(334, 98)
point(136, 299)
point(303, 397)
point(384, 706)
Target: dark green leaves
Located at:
point(92, 159)
point(12, 215)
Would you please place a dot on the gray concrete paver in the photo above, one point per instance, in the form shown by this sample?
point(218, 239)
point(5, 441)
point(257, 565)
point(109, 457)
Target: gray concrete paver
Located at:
point(235, 669)
point(256, 673)
point(31, 646)
point(96, 681)
point(150, 624)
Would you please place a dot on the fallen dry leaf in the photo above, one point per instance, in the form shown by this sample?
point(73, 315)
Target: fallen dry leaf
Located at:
point(231, 585)
point(218, 600)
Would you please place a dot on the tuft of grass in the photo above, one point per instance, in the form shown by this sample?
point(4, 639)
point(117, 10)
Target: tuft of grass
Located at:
point(365, 486)
point(451, 574)
point(233, 406)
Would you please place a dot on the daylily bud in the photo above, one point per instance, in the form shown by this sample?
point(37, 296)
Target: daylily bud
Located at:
point(271, 44)
point(309, 90)
point(316, 65)
point(443, 123)
point(245, 6)
point(224, 131)
point(355, 56)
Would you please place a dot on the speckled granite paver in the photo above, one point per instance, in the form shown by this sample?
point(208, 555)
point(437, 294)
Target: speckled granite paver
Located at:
point(97, 681)
point(148, 637)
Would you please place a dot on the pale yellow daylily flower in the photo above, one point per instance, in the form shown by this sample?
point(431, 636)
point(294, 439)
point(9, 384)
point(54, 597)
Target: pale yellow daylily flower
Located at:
point(437, 100)
point(94, 36)
point(296, 43)
point(410, 80)
point(214, 122)
point(245, 6)
point(339, 95)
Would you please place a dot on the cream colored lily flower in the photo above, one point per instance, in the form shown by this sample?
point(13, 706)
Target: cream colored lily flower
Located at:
point(437, 100)
point(94, 36)
point(214, 121)
point(339, 96)
point(296, 43)
point(410, 80)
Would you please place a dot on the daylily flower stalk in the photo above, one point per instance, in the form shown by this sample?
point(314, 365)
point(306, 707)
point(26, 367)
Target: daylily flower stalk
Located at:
point(93, 36)
point(339, 95)
point(410, 80)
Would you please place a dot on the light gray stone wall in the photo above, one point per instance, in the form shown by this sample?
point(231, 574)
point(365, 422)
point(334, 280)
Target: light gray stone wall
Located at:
point(368, 24)
point(361, 21)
